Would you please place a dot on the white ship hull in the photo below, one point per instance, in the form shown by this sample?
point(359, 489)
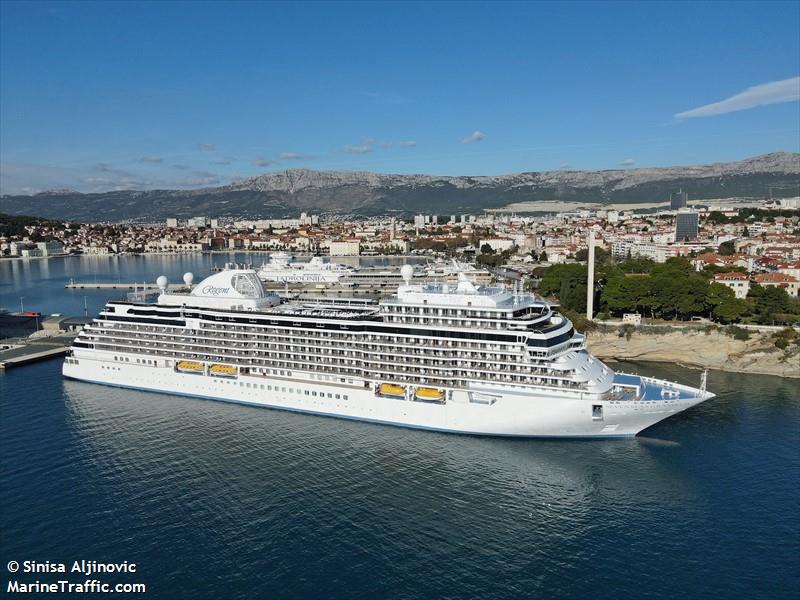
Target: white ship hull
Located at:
point(302, 276)
point(511, 413)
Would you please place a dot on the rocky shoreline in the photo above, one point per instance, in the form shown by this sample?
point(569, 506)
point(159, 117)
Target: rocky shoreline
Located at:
point(697, 348)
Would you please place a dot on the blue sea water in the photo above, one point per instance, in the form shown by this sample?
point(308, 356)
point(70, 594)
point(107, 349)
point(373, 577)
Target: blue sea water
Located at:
point(214, 500)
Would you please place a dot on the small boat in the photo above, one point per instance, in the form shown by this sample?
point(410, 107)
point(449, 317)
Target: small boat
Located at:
point(222, 370)
point(189, 366)
point(390, 389)
point(429, 395)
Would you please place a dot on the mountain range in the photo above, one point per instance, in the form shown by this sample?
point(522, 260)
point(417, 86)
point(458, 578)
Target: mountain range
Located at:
point(287, 193)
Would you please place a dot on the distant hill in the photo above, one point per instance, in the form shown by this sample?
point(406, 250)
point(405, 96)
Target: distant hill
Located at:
point(354, 192)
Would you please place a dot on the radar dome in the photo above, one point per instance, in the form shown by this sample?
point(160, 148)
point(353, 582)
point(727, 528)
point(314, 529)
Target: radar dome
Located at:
point(407, 272)
point(162, 282)
point(188, 278)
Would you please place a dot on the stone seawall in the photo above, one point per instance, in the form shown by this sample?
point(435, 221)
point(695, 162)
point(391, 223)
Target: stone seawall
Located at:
point(697, 348)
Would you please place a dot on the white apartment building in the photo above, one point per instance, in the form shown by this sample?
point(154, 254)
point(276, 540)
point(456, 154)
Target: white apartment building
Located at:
point(346, 247)
point(738, 282)
point(50, 248)
point(497, 244)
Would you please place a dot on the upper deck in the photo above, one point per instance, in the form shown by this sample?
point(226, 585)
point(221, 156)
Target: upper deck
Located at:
point(461, 305)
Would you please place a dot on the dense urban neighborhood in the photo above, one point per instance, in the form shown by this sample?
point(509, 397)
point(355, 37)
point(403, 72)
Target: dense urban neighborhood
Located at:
point(729, 265)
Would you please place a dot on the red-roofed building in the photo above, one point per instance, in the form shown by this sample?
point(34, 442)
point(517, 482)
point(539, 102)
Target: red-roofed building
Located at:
point(789, 283)
point(738, 282)
point(790, 268)
point(712, 258)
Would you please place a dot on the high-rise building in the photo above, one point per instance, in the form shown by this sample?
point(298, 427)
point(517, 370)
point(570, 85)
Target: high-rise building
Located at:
point(678, 200)
point(686, 226)
point(197, 222)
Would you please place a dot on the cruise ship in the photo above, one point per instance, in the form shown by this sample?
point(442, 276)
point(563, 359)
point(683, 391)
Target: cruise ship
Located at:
point(449, 357)
point(437, 272)
point(281, 269)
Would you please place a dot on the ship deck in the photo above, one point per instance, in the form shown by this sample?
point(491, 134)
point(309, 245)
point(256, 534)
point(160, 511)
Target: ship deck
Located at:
point(650, 389)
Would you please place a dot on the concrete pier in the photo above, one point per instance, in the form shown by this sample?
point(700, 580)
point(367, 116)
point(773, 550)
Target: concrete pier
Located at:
point(95, 285)
point(29, 350)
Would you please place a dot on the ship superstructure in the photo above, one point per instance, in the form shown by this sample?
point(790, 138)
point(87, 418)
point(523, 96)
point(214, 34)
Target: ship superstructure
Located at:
point(437, 272)
point(445, 356)
point(282, 269)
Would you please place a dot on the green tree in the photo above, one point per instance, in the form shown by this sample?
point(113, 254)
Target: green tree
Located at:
point(724, 305)
point(772, 304)
point(554, 277)
point(727, 248)
point(625, 294)
point(637, 265)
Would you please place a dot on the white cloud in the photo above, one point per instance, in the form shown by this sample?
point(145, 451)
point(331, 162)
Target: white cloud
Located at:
point(627, 162)
point(400, 144)
point(152, 158)
point(102, 177)
point(264, 162)
point(475, 136)
point(356, 149)
point(293, 156)
point(198, 178)
point(774, 92)
point(206, 147)
point(565, 165)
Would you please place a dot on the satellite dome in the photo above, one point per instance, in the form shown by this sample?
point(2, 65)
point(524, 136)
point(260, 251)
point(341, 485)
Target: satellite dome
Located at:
point(407, 272)
point(162, 282)
point(188, 278)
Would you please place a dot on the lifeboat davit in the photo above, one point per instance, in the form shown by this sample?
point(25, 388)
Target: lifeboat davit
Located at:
point(222, 370)
point(429, 394)
point(390, 389)
point(189, 366)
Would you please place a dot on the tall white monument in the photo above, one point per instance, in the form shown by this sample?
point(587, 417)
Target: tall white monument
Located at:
point(590, 279)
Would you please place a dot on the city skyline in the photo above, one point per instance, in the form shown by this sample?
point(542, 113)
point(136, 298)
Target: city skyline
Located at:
point(143, 96)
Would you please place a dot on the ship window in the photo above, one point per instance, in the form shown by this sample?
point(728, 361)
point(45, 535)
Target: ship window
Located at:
point(313, 393)
point(337, 396)
point(346, 397)
point(597, 412)
point(308, 393)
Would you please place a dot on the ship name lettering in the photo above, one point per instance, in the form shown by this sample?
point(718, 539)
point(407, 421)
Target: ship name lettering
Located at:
point(215, 291)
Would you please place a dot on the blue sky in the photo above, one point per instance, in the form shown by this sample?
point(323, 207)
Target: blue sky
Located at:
point(97, 96)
